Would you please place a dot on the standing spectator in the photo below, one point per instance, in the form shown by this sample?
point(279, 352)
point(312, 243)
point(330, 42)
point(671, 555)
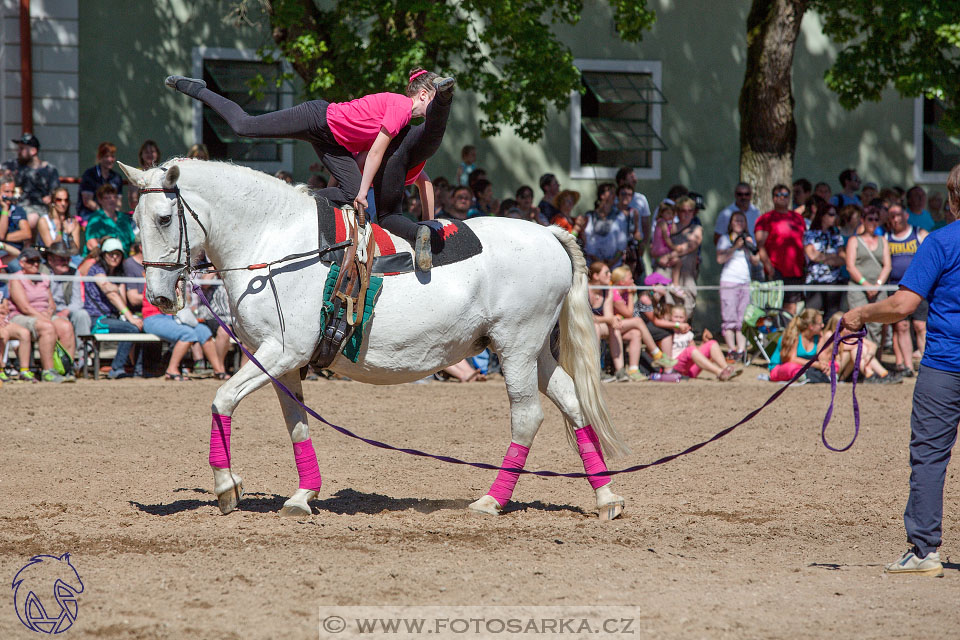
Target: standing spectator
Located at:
point(868, 263)
point(11, 331)
point(742, 194)
point(849, 185)
point(33, 308)
point(67, 294)
point(14, 228)
point(736, 251)
point(551, 188)
point(36, 178)
point(565, 201)
point(525, 204)
point(635, 237)
point(869, 193)
point(59, 224)
point(662, 255)
point(916, 209)
point(148, 157)
point(459, 205)
point(802, 192)
point(822, 191)
point(850, 220)
point(933, 276)
point(107, 305)
point(824, 246)
point(468, 164)
point(604, 229)
point(780, 239)
point(627, 176)
point(904, 241)
point(687, 240)
point(95, 177)
point(484, 202)
point(108, 222)
point(937, 210)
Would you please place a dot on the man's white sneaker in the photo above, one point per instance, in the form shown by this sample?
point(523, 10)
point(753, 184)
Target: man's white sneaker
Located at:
point(911, 563)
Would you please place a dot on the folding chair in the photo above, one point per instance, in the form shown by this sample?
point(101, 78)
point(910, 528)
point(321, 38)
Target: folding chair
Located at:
point(764, 319)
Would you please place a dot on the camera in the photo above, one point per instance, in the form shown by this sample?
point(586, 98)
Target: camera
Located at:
point(11, 199)
point(748, 242)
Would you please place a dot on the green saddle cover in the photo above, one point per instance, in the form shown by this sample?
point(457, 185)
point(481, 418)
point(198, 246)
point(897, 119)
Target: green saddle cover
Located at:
point(351, 349)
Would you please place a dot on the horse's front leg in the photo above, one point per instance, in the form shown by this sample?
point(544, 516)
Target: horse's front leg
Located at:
point(227, 485)
point(304, 455)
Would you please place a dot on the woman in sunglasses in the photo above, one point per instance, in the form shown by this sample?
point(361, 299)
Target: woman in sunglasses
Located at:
point(823, 243)
point(60, 224)
point(868, 263)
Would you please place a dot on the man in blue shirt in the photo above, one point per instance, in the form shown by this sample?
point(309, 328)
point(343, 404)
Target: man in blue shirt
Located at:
point(933, 275)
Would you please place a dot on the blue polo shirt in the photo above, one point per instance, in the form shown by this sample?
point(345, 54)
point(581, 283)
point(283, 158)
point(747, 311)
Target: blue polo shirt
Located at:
point(934, 274)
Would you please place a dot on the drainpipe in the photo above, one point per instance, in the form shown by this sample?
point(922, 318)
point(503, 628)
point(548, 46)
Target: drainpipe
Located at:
point(26, 68)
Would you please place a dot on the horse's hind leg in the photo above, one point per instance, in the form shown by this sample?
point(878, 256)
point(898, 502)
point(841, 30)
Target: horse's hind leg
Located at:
point(306, 458)
point(526, 414)
point(557, 385)
point(227, 485)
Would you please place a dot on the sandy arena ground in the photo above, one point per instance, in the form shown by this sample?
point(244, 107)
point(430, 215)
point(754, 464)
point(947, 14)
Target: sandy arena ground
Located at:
point(764, 534)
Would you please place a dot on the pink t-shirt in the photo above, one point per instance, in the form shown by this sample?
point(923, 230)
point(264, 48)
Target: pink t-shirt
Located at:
point(355, 124)
point(37, 293)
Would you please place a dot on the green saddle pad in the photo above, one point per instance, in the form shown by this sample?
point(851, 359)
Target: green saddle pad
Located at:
point(351, 348)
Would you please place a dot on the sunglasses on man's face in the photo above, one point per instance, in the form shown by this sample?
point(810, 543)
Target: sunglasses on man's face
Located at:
point(872, 219)
point(61, 199)
point(744, 194)
point(782, 194)
point(832, 214)
point(32, 261)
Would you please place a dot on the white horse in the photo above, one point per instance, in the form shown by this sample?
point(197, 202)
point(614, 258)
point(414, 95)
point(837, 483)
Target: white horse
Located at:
point(509, 297)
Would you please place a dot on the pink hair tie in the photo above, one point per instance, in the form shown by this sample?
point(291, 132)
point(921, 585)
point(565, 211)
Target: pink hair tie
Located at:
point(417, 74)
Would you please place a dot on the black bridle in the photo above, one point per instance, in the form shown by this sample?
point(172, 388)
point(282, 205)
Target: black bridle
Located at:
point(184, 241)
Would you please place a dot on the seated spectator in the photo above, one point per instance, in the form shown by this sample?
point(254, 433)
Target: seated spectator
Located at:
point(34, 308)
point(484, 203)
point(97, 176)
point(286, 176)
point(779, 235)
point(626, 305)
point(463, 371)
point(524, 197)
point(36, 178)
point(199, 151)
point(60, 225)
point(181, 335)
point(736, 251)
point(12, 331)
point(691, 359)
point(551, 189)
point(937, 211)
point(871, 371)
point(459, 205)
point(109, 222)
point(605, 321)
point(442, 192)
point(67, 294)
point(868, 263)
point(564, 203)
point(687, 240)
point(798, 344)
point(106, 303)
point(826, 257)
point(654, 308)
point(604, 229)
point(219, 304)
point(14, 229)
point(148, 157)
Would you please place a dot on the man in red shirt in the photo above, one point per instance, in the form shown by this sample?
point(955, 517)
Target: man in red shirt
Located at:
point(780, 240)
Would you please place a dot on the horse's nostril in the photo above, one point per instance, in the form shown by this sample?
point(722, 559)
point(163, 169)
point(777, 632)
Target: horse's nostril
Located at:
point(164, 302)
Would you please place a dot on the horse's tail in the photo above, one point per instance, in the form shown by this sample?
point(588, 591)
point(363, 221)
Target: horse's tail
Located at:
point(580, 353)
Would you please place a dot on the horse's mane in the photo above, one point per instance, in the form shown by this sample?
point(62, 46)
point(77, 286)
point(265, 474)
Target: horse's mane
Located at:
point(254, 173)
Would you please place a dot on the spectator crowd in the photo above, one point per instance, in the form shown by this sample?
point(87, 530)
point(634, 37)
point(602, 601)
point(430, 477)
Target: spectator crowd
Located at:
point(862, 236)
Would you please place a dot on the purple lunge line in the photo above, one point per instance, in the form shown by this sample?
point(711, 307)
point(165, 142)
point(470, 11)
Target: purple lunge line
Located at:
point(556, 474)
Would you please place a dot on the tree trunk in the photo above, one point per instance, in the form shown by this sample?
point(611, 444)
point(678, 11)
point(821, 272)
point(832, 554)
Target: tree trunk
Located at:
point(768, 131)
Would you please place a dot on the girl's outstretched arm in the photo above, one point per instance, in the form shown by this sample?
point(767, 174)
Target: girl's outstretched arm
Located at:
point(370, 167)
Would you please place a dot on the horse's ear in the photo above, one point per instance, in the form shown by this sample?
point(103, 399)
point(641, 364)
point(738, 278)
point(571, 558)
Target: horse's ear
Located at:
point(135, 176)
point(171, 176)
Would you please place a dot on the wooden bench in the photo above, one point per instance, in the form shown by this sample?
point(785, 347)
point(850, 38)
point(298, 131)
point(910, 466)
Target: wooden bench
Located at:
point(92, 342)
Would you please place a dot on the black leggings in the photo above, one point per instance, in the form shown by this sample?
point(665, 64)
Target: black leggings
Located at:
point(409, 148)
point(306, 121)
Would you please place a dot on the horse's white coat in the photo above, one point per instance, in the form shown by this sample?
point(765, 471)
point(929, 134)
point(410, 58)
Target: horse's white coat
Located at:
point(510, 297)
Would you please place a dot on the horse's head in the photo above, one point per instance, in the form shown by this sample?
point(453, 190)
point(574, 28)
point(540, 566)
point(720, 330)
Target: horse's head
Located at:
point(169, 236)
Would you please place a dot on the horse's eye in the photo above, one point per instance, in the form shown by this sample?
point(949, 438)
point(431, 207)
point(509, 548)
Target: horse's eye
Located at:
point(163, 221)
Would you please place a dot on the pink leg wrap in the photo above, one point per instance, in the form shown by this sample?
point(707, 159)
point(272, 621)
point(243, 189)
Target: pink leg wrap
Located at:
point(589, 445)
point(307, 465)
point(502, 488)
point(220, 442)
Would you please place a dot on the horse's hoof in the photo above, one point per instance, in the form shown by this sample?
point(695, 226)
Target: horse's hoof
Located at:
point(611, 510)
point(229, 499)
point(298, 505)
point(486, 504)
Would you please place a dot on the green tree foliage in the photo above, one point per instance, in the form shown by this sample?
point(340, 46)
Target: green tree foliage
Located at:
point(911, 45)
point(506, 51)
